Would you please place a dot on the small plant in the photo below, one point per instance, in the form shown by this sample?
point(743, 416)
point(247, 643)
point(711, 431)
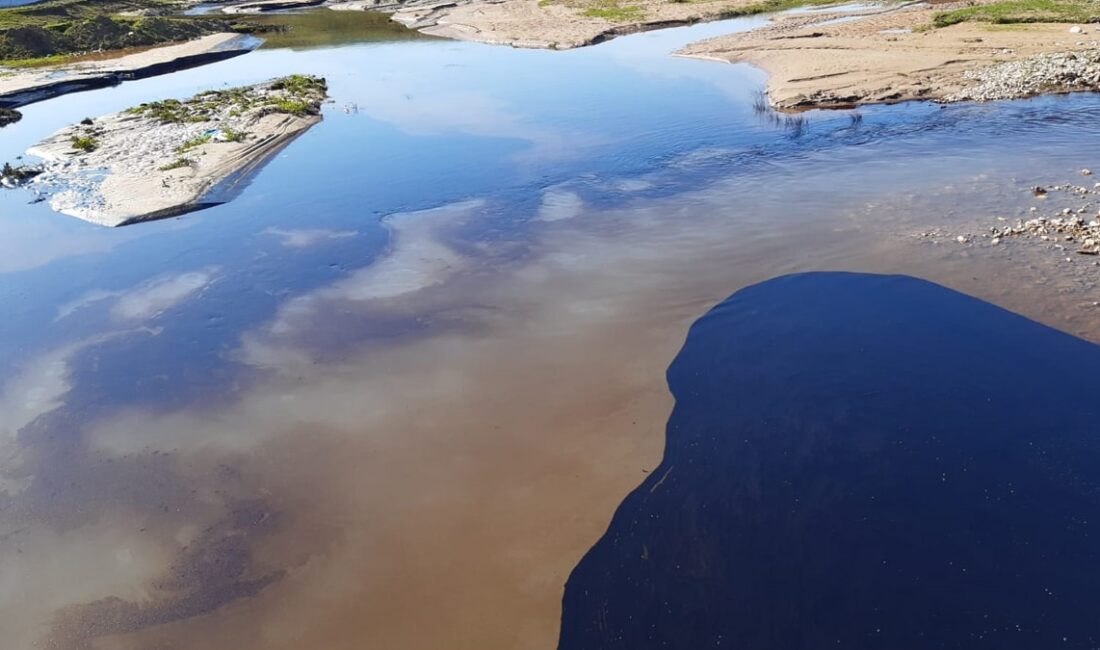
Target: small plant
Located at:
point(85, 143)
point(232, 135)
point(294, 107)
point(86, 121)
point(196, 141)
point(177, 164)
point(300, 84)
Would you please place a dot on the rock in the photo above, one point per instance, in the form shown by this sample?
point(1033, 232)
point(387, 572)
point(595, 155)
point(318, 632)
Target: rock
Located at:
point(1076, 29)
point(1086, 172)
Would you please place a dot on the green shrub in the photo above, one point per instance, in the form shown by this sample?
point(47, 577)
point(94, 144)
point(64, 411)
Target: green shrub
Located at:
point(177, 164)
point(85, 143)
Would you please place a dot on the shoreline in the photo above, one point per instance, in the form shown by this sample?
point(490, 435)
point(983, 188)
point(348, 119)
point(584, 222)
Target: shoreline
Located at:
point(30, 86)
point(819, 57)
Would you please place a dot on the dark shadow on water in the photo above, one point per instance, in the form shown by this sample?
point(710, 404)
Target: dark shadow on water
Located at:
point(859, 461)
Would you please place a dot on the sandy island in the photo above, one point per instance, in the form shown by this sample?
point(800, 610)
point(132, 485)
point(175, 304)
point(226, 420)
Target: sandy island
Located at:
point(166, 158)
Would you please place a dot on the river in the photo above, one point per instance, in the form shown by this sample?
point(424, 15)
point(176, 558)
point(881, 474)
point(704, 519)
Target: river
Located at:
point(392, 393)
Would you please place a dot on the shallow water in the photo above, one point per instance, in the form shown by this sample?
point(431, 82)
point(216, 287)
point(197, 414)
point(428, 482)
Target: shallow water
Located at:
point(853, 462)
point(417, 364)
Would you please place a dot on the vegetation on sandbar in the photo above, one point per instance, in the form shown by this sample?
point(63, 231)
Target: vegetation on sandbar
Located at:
point(85, 143)
point(295, 95)
point(1023, 11)
point(229, 109)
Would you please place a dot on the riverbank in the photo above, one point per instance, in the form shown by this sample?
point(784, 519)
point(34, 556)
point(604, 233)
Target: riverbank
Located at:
point(170, 157)
point(562, 24)
point(897, 54)
point(26, 86)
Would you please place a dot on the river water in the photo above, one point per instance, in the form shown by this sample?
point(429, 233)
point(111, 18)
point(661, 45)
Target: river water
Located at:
point(392, 393)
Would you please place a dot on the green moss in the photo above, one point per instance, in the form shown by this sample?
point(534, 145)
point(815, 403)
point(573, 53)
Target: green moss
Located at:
point(1023, 11)
point(85, 143)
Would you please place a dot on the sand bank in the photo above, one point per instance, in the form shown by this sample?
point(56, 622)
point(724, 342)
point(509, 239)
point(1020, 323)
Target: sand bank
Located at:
point(892, 55)
point(168, 158)
point(23, 87)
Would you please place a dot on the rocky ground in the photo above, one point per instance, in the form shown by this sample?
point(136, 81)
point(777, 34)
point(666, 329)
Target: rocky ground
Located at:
point(1057, 72)
point(164, 158)
point(1069, 228)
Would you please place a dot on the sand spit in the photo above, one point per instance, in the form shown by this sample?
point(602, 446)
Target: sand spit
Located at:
point(892, 55)
point(28, 86)
point(167, 158)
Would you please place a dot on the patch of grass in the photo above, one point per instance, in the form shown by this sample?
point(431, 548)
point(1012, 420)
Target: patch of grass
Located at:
point(234, 136)
point(194, 142)
point(171, 111)
point(300, 84)
point(611, 10)
point(37, 62)
point(295, 107)
point(1023, 11)
point(178, 163)
point(85, 143)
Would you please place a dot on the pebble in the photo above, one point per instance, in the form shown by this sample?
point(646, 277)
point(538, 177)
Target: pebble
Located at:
point(1032, 75)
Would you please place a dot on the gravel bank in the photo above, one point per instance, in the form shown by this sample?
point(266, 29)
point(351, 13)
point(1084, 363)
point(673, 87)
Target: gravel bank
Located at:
point(1045, 73)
